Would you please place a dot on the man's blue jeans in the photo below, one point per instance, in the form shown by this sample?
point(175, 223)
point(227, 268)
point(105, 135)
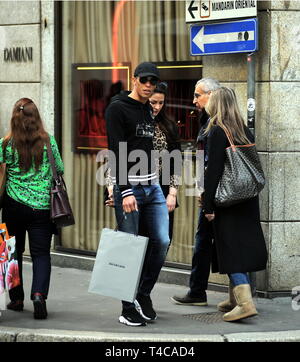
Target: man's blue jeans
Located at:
point(153, 213)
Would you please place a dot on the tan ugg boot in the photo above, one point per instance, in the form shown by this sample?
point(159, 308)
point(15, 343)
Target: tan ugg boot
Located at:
point(245, 307)
point(228, 304)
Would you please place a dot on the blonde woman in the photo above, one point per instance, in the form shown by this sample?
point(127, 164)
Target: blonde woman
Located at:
point(239, 239)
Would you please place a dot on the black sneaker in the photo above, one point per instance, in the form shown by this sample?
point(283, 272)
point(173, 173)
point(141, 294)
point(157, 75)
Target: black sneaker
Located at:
point(131, 317)
point(188, 300)
point(144, 306)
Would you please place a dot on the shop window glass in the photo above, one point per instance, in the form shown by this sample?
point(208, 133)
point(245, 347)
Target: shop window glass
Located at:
point(92, 90)
point(107, 35)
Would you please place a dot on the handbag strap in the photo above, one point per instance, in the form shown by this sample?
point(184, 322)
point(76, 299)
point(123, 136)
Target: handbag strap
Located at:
point(51, 159)
point(229, 137)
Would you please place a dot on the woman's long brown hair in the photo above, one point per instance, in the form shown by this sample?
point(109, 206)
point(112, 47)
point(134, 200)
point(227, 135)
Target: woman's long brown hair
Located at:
point(27, 134)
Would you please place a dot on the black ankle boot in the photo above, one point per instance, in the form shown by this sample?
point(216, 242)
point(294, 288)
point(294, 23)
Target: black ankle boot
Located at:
point(39, 305)
point(16, 305)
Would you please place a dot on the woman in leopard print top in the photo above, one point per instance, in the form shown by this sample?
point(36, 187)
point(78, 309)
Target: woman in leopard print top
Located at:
point(166, 137)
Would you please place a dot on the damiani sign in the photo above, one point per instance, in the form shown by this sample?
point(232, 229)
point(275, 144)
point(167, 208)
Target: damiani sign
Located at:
point(206, 10)
point(18, 54)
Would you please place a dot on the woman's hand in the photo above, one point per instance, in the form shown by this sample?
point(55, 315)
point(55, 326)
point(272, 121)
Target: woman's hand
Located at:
point(171, 202)
point(210, 217)
point(110, 201)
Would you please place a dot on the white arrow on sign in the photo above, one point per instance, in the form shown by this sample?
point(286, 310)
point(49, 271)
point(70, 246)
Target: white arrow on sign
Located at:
point(200, 38)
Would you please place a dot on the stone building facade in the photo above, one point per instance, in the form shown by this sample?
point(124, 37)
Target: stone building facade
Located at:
point(32, 26)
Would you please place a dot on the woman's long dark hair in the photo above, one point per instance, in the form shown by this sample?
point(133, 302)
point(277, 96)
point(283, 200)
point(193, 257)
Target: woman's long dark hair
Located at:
point(27, 134)
point(167, 125)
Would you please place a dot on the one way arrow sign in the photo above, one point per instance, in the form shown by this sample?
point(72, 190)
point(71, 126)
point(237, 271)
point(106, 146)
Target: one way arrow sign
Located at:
point(222, 38)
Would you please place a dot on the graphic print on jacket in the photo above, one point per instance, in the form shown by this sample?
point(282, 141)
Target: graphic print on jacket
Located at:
point(130, 130)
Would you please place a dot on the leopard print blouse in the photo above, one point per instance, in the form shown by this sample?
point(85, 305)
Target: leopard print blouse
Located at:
point(159, 144)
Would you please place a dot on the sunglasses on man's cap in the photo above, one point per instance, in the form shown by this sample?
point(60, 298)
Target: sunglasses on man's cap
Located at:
point(152, 80)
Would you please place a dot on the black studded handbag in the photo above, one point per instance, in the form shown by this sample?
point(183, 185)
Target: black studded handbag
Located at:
point(243, 177)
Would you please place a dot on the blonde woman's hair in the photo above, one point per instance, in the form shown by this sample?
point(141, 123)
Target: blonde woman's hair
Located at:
point(224, 111)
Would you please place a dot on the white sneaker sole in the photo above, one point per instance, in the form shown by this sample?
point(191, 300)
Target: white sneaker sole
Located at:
point(123, 320)
point(139, 309)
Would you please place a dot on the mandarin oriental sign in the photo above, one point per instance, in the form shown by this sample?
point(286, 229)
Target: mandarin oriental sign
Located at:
point(206, 10)
point(18, 54)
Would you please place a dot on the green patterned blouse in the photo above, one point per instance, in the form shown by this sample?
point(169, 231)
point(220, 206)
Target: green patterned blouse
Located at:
point(31, 188)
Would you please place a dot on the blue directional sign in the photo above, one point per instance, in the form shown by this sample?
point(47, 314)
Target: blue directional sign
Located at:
point(230, 37)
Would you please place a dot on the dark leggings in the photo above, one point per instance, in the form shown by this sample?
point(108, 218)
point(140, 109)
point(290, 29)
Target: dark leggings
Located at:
point(20, 218)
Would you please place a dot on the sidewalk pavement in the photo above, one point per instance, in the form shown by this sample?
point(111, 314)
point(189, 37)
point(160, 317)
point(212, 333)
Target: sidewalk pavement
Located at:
point(75, 315)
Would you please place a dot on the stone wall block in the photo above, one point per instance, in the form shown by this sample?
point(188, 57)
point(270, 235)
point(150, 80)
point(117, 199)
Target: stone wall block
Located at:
point(284, 255)
point(13, 37)
point(278, 5)
point(284, 186)
point(225, 67)
point(285, 45)
point(233, 67)
point(9, 94)
point(19, 12)
point(284, 128)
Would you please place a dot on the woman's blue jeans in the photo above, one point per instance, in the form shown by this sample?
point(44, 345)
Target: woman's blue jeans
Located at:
point(153, 213)
point(239, 278)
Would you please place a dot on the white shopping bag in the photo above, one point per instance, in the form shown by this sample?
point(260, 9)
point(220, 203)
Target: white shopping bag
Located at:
point(3, 300)
point(9, 269)
point(118, 265)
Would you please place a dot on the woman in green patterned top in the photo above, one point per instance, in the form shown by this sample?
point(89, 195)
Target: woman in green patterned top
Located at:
point(26, 206)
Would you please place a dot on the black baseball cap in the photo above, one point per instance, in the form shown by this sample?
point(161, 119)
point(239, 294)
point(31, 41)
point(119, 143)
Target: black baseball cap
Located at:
point(146, 69)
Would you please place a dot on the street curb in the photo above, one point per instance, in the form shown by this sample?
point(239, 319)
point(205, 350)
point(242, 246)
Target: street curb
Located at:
point(281, 336)
point(8, 334)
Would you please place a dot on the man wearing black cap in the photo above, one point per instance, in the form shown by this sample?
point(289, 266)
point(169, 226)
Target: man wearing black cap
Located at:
point(137, 194)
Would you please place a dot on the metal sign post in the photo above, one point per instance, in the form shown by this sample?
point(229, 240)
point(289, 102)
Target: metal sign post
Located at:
point(251, 105)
